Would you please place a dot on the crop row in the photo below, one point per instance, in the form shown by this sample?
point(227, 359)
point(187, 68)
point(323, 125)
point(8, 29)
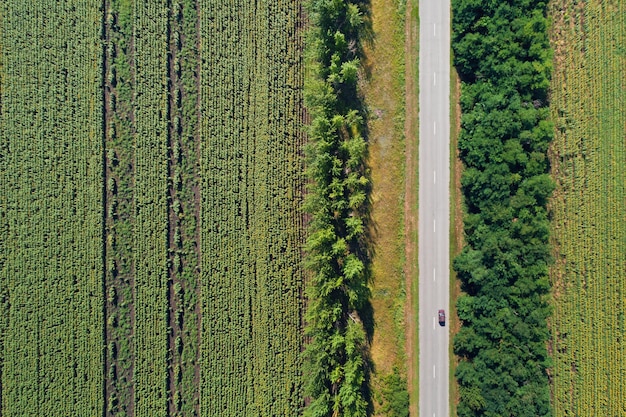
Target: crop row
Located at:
point(151, 224)
point(589, 233)
point(274, 197)
point(226, 347)
point(51, 268)
point(251, 172)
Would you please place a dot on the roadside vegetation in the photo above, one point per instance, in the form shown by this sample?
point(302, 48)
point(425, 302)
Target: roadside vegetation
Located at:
point(383, 88)
point(338, 314)
point(411, 177)
point(588, 105)
point(503, 58)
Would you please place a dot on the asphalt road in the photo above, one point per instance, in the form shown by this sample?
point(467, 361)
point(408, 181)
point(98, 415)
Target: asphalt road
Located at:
point(434, 205)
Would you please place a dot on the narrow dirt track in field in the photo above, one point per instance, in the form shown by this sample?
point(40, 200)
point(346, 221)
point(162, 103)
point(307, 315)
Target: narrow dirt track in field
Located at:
point(119, 209)
point(184, 211)
point(175, 330)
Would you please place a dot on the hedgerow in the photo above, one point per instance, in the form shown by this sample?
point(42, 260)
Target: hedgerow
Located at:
point(336, 360)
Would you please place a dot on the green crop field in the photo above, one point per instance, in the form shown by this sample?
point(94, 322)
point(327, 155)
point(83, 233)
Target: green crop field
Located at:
point(589, 230)
point(252, 179)
point(51, 209)
point(152, 177)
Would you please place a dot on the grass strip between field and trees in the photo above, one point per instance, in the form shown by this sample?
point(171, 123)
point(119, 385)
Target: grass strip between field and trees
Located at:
point(503, 57)
point(382, 84)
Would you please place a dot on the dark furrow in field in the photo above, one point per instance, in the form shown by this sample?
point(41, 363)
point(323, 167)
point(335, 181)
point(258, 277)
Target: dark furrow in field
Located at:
point(4, 230)
point(106, 386)
point(197, 198)
point(3, 254)
point(119, 208)
point(184, 210)
point(173, 218)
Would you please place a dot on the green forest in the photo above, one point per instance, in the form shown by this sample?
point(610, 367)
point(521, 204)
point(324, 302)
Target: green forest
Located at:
point(503, 58)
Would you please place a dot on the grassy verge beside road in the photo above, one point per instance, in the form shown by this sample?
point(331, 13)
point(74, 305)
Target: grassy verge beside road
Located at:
point(456, 226)
point(411, 193)
point(385, 98)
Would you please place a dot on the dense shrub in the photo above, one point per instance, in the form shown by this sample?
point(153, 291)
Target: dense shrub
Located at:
point(396, 395)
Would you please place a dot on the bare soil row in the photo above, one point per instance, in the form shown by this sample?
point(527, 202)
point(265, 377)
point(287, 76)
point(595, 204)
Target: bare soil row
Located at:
point(184, 251)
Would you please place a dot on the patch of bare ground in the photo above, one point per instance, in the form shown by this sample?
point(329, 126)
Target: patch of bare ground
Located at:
point(174, 238)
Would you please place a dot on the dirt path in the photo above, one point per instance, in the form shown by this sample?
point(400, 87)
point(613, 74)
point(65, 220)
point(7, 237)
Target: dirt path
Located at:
point(410, 201)
point(184, 211)
point(119, 207)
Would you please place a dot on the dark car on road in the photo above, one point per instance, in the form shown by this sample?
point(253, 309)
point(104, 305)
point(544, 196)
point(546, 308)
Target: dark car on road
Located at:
point(442, 317)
